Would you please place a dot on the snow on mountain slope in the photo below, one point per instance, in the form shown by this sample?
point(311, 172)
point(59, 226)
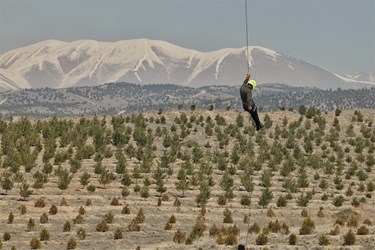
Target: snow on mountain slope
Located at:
point(58, 64)
point(363, 76)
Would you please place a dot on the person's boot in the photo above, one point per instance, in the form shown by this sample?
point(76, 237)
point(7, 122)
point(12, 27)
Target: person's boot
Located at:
point(260, 127)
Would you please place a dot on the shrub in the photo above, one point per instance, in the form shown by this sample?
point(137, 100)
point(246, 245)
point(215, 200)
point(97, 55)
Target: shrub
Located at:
point(281, 201)
point(44, 235)
point(72, 243)
point(177, 202)
point(35, 243)
point(353, 221)
point(270, 212)
point(109, 217)
point(44, 218)
point(22, 209)
point(231, 239)
point(338, 201)
point(30, 224)
point(53, 209)
point(88, 202)
point(10, 218)
point(284, 228)
point(292, 239)
point(323, 240)
point(118, 234)
point(102, 226)
point(335, 231)
point(6, 236)
point(363, 230)
point(367, 222)
point(274, 227)
point(265, 230)
point(81, 211)
point(254, 228)
point(40, 203)
point(214, 230)
point(115, 202)
point(165, 197)
point(81, 233)
point(172, 219)
point(233, 229)
point(179, 237)
point(349, 238)
point(304, 213)
point(137, 188)
point(168, 226)
point(307, 226)
point(133, 226)
point(66, 226)
point(347, 215)
point(91, 188)
point(340, 222)
point(246, 219)
point(140, 216)
point(222, 200)
point(227, 216)
point(189, 241)
point(198, 228)
point(245, 200)
point(262, 239)
point(125, 210)
point(78, 219)
point(63, 202)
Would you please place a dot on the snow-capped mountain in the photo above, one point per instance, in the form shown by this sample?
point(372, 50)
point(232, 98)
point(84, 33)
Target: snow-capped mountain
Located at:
point(59, 64)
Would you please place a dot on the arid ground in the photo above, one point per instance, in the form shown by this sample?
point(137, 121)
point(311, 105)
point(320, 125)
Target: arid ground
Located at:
point(189, 180)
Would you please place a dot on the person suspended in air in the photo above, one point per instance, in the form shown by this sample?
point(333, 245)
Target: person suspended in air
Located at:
point(248, 103)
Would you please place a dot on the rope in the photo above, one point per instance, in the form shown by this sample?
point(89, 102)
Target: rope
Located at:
point(248, 70)
point(247, 40)
point(248, 224)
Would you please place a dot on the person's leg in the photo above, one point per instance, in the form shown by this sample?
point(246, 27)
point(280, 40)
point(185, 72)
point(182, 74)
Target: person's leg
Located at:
point(244, 106)
point(254, 115)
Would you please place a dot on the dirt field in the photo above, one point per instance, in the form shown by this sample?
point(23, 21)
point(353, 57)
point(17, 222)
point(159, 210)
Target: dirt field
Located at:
point(345, 163)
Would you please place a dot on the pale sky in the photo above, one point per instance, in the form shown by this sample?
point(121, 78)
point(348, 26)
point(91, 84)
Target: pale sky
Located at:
point(337, 35)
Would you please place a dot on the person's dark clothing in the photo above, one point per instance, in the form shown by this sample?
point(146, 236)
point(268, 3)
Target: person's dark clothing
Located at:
point(246, 94)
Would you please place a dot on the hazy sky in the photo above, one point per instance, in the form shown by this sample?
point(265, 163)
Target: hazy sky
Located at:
point(338, 35)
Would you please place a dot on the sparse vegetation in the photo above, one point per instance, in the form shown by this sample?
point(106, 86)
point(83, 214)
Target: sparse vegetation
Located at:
point(44, 235)
point(349, 238)
point(72, 243)
point(292, 239)
point(102, 226)
point(35, 243)
point(262, 239)
point(182, 164)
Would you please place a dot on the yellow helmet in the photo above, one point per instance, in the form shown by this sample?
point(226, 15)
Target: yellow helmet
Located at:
point(253, 83)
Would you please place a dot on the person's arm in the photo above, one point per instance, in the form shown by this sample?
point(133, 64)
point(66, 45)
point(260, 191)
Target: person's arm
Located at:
point(247, 77)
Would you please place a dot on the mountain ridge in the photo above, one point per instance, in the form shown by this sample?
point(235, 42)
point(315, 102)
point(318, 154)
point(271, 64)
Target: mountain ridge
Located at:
point(59, 64)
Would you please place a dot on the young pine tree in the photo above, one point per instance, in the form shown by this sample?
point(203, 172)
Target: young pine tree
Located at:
point(64, 179)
